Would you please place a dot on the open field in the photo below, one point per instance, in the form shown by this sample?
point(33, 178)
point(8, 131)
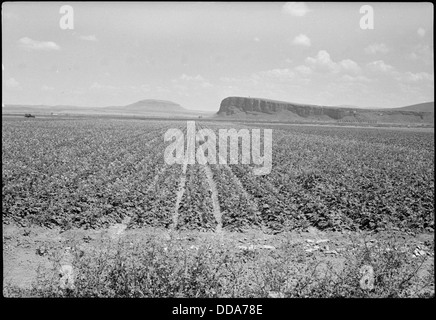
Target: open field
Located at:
point(82, 176)
point(93, 173)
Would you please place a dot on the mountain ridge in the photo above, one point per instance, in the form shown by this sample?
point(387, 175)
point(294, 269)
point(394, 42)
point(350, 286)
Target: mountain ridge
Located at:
point(267, 109)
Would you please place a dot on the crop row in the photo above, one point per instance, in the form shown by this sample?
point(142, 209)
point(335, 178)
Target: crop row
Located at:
point(373, 179)
point(196, 210)
point(338, 183)
point(81, 175)
point(93, 173)
point(237, 213)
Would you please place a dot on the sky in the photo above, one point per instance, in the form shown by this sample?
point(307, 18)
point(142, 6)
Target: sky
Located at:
point(198, 53)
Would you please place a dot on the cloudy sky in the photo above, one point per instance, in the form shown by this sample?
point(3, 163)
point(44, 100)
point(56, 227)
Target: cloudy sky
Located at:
point(196, 54)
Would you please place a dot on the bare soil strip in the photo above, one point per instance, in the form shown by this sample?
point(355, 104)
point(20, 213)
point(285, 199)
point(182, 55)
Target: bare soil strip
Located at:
point(214, 196)
point(253, 204)
point(238, 184)
point(180, 193)
point(241, 189)
point(117, 230)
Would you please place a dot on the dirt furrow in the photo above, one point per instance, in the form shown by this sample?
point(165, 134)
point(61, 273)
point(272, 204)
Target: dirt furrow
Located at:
point(241, 189)
point(214, 196)
point(180, 193)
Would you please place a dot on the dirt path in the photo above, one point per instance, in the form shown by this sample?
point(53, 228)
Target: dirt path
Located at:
point(214, 196)
point(117, 230)
point(241, 189)
point(180, 193)
point(253, 204)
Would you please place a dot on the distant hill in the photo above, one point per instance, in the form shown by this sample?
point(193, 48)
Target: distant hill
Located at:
point(148, 107)
point(420, 107)
point(243, 108)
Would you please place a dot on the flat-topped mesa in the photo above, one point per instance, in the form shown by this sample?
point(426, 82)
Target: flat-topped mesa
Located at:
point(234, 105)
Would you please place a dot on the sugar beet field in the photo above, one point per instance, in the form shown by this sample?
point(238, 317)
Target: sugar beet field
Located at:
point(93, 173)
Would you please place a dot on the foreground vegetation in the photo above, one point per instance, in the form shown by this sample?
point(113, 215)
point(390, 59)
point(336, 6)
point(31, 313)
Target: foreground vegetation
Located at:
point(128, 268)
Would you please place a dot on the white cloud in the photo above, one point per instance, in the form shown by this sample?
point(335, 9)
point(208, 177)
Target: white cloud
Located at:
point(256, 39)
point(297, 9)
point(273, 84)
point(30, 44)
point(376, 47)
point(191, 78)
point(263, 79)
point(11, 83)
point(359, 78)
point(302, 40)
point(422, 53)
point(304, 70)
point(350, 66)
point(323, 62)
point(421, 32)
point(346, 75)
point(380, 66)
point(415, 77)
point(88, 38)
point(323, 58)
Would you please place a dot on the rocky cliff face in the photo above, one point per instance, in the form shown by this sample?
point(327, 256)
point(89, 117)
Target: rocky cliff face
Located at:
point(233, 105)
point(237, 106)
